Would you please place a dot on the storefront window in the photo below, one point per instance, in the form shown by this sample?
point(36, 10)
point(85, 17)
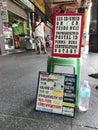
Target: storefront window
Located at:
point(22, 26)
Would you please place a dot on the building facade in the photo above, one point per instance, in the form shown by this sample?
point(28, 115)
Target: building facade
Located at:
point(24, 10)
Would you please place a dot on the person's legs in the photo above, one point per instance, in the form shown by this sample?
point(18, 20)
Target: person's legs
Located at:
point(16, 44)
point(38, 44)
point(16, 41)
point(39, 48)
point(42, 39)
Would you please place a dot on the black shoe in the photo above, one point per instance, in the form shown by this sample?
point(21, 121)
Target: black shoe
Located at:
point(96, 87)
point(16, 47)
point(39, 52)
point(94, 75)
point(45, 52)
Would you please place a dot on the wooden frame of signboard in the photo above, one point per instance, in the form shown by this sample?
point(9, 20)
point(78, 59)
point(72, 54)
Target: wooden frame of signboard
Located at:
point(67, 35)
point(56, 93)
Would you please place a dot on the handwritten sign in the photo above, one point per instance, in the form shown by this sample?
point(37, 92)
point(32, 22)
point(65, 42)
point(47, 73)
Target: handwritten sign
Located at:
point(67, 35)
point(56, 93)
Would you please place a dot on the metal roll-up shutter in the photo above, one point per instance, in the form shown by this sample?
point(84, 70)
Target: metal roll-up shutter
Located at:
point(15, 8)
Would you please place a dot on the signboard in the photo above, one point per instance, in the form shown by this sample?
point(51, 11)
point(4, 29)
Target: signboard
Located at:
point(56, 93)
point(27, 3)
point(40, 4)
point(67, 35)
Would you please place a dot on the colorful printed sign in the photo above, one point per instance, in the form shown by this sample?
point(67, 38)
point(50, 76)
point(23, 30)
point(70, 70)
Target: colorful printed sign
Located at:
point(56, 93)
point(67, 35)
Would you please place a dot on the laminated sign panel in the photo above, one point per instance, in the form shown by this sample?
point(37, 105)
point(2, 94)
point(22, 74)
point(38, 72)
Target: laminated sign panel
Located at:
point(56, 93)
point(67, 35)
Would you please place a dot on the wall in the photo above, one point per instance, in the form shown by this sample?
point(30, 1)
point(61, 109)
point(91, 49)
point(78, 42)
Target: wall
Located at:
point(16, 9)
point(93, 40)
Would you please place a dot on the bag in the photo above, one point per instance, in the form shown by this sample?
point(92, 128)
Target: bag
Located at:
point(34, 27)
point(29, 45)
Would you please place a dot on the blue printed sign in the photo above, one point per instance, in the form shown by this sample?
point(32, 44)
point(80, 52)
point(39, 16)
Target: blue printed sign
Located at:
point(24, 1)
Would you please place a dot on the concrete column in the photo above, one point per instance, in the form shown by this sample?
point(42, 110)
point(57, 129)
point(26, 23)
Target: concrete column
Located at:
point(2, 44)
point(29, 20)
point(87, 17)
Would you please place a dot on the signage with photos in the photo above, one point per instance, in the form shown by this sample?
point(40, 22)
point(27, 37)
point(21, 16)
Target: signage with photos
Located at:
point(56, 93)
point(67, 35)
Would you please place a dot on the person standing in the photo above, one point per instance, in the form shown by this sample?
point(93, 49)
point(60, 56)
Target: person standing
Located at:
point(15, 28)
point(39, 35)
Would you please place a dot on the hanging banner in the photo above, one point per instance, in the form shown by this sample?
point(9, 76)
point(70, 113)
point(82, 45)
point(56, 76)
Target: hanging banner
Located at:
point(56, 93)
point(67, 35)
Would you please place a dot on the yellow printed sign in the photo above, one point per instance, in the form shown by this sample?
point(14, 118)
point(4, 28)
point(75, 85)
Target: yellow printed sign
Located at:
point(57, 102)
point(58, 93)
point(68, 104)
point(40, 4)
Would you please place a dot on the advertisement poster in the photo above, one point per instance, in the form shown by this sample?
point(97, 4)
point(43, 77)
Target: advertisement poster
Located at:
point(67, 35)
point(56, 93)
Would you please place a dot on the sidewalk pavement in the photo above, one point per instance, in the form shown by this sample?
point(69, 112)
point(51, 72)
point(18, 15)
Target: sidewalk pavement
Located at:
point(18, 85)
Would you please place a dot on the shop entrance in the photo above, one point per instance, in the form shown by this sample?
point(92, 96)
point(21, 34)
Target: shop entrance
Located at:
point(20, 30)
